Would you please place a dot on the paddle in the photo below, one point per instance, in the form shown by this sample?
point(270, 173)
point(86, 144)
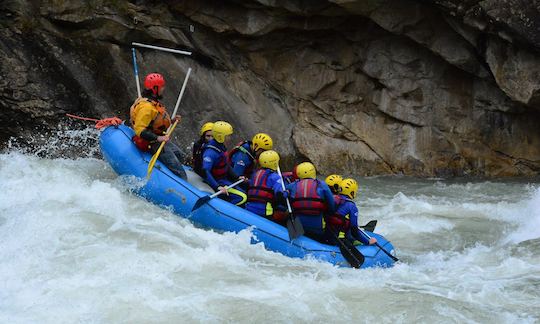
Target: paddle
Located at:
point(171, 128)
point(294, 227)
point(201, 201)
point(379, 246)
point(370, 226)
point(349, 251)
point(158, 152)
point(134, 56)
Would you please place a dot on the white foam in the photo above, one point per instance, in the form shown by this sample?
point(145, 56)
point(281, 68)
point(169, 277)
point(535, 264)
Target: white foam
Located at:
point(77, 246)
point(529, 217)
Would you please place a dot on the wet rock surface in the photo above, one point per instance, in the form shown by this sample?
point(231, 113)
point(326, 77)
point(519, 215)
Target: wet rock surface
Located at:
point(425, 88)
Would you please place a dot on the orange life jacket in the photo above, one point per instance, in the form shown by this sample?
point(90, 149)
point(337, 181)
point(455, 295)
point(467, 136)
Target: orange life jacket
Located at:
point(158, 125)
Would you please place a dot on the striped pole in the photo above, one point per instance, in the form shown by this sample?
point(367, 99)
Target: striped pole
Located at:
point(136, 71)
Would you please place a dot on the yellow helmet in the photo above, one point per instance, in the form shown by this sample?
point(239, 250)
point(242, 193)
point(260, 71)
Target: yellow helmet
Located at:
point(269, 159)
point(306, 170)
point(206, 127)
point(349, 187)
point(262, 141)
point(220, 129)
point(333, 181)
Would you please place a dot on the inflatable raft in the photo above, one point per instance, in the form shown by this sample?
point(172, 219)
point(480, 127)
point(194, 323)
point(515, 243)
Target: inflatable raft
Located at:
point(166, 189)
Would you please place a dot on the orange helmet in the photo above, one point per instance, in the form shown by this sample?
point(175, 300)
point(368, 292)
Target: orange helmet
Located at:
point(154, 82)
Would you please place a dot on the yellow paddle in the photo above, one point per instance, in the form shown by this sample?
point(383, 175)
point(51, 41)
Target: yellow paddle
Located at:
point(170, 130)
point(156, 155)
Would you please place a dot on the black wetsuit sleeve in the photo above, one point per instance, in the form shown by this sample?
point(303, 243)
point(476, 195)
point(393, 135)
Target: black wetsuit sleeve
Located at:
point(231, 173)
point(148, 135)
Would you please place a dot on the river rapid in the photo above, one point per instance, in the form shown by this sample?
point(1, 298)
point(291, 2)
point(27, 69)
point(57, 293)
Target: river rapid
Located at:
point(78, 246)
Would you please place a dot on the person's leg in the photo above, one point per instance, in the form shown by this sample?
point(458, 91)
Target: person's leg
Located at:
point(180, 155)
point(169, 157)
point(313, 227)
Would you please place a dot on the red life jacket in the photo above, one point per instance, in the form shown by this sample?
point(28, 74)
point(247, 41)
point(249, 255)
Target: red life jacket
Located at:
point(259, 191)
point(141, 143)
point(306, 200)
point(337, 221)
point(219, 171)
point(249, 170)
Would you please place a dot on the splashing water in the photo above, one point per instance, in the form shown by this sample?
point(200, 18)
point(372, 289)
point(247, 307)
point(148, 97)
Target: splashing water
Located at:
point(529, 220)
point(78, 246)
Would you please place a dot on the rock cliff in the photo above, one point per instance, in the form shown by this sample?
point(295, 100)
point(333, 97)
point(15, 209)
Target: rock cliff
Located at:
point(424, 88)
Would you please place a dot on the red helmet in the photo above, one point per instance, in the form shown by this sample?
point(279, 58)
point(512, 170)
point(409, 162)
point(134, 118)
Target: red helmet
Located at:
point(154, 82)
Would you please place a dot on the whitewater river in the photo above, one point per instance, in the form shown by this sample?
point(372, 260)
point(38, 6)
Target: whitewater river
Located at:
point(77, 246)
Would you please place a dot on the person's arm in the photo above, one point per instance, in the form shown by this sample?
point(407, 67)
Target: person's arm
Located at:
point(277, 187)
point(353, 215)
point(328, 197)
point(231, 174)
point(208, 163)
point(355, 232)
point(148, 135)
point(239, 163)
point(280, 195)
point(290, 191)
point(144, 117)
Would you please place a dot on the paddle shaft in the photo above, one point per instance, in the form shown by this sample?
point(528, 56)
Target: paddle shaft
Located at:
point(158, 152)
point(379, 246)
point(137, 82)
point(201, 201)
point(228, 187)
point(181, 93)
point(289, 209)
point(295, 229)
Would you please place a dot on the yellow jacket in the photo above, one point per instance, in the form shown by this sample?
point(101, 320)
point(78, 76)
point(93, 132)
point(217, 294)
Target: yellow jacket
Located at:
point(149, 114)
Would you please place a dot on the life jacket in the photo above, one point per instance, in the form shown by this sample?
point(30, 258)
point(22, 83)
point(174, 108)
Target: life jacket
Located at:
point(198, 150)
point(219, 171)
point(337, 221)
point(259, 191)
point(306, 200)
point(158, 125)
point(240, 148)
point(141, 143)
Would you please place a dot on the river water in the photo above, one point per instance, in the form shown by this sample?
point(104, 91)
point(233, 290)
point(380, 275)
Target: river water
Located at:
point(77, 246)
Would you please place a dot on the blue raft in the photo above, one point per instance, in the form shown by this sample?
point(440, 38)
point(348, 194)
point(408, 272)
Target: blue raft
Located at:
point(166, 189)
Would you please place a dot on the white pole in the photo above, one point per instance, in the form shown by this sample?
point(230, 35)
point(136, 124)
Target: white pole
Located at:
point(289, 209)
point(164, 49)
point(181, 93)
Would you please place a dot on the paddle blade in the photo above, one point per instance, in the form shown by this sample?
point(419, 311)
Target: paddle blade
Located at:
point(200, 202)
point(370, 226)
point(294, 227)
point(351, 253)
